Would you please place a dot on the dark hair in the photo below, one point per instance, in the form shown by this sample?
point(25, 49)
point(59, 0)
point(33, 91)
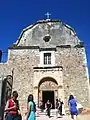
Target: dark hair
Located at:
point(15, 94)
point(71, 97)
point(30, 98)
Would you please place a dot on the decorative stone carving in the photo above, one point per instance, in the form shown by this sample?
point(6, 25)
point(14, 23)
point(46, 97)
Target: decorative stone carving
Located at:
point(48, 85)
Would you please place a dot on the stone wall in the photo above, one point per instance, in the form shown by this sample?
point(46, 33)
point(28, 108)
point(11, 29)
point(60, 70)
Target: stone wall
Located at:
point(74, 65)
point(75, 73)
point(23, 62)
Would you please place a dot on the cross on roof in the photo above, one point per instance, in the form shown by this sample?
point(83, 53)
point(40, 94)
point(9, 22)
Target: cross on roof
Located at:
point(48, 15)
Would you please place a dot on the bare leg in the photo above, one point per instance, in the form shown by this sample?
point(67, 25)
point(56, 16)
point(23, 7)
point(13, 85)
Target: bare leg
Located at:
point(72, 116)
point(56, 113)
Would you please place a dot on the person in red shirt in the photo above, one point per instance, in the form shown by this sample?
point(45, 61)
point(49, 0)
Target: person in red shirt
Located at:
point(12, 108)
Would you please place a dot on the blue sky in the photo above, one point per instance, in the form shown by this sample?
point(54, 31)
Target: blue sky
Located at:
point(18, 14)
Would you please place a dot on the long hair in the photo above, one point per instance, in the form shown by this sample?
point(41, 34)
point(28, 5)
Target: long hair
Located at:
point(30, 98)
point(15, 94)
point(71, 97)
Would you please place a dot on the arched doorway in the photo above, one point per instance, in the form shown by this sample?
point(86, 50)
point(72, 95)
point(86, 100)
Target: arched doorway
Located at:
point(48, 90)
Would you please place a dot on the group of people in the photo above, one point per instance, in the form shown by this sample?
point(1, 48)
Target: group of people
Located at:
point(13, 111)
point(72, 107)
point(60, 107)
point(48, 107)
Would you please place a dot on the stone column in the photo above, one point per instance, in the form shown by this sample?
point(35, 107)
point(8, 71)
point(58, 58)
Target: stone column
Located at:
point(35, 94)
point(61, 93)
point(56, 94)
point(40, 96)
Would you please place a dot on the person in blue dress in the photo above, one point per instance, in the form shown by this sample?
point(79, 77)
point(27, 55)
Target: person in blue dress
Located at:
point(31, 108)
point(73, 107)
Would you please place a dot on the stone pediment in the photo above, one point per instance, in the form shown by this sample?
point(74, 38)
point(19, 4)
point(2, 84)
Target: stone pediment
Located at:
point(49, 33)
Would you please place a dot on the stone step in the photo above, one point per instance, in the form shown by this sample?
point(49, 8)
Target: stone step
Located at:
point(52, 112)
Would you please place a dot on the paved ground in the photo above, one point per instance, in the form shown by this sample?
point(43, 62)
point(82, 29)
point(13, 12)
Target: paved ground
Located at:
point(44, 117)
point(80, 117)
point(83, 117)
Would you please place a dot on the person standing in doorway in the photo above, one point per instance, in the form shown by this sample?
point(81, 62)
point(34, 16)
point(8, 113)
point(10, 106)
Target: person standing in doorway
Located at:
point(31, 108)
point(73, 107)
point(41, 106)
point(57, 107)
point(60, 106)
point(48, 107)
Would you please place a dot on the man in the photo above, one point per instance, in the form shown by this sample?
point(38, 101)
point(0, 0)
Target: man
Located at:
point(60, 106)
point(48, 107)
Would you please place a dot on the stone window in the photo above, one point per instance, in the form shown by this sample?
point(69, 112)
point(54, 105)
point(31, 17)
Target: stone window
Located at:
point(47, 58)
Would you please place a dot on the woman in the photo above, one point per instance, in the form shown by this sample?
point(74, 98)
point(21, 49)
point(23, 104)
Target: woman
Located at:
point(73, 107)
point(12, 108)
point(31, 108)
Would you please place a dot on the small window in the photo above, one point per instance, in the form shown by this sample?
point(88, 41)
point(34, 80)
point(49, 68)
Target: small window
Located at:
point(47, 58)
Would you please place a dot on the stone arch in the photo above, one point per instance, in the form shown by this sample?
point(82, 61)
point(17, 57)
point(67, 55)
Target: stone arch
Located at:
point(48, 86)
point(48, 83)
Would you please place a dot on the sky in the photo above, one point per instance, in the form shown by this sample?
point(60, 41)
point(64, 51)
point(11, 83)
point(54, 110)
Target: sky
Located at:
point(15, 15)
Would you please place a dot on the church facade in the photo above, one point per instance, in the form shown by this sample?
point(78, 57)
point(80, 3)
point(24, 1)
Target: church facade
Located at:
point(49, 61)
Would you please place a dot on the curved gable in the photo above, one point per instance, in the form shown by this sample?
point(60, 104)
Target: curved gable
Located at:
point(48, 33)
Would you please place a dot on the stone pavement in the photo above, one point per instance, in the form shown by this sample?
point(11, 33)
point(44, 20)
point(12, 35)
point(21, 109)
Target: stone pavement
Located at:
point(83, 117)
point(44, 117)
point(80, 117)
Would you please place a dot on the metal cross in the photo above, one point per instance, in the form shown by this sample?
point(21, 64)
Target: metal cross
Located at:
point(48, 15)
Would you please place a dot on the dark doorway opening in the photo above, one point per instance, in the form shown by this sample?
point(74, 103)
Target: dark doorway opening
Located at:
point(48, 95)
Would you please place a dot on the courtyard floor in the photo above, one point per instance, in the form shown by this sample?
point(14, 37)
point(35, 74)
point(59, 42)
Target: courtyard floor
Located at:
point(80, 117)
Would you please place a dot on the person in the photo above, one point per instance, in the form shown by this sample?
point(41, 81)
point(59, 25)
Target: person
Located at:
point(63, 109)
point(73, 107)
point(41, 105)
point(48, 107)
point(57, 107)
point(60, 106)
point(31, 108)
point(12, 108)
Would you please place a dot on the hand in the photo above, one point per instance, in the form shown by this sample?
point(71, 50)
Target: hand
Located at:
point(19, 112)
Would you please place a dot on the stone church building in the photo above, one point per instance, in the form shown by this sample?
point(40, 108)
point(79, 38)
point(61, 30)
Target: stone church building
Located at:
point(49, 61)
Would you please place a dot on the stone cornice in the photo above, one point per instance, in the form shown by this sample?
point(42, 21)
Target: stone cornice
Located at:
point(23, 47)
point(46, 49)
point(49, 67)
